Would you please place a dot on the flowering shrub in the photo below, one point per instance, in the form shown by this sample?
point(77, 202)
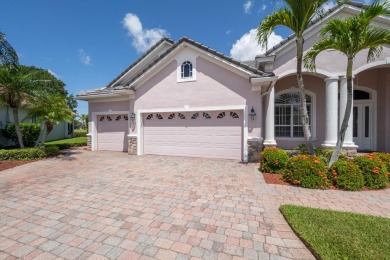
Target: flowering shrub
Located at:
point(346, 175)
point(385, 158)
point(306, 171)
point(374, 171)
point(273, 160)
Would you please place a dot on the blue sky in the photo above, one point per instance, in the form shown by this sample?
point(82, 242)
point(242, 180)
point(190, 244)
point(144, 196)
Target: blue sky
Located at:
point(87, 43)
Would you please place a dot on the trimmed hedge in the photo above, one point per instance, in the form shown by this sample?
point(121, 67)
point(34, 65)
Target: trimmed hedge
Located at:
point(306, 171)
point(346, 175)
point(80, 133)
point(385, 158)
point(374, 171)
point(22, 154)
point(273, 160)
point(68, 143)
point(51, 151)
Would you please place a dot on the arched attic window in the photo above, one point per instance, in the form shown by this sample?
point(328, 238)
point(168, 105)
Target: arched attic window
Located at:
point(186, 70)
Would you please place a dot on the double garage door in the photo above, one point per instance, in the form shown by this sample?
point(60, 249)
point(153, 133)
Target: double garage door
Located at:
point(112, 132)
point(197, 134)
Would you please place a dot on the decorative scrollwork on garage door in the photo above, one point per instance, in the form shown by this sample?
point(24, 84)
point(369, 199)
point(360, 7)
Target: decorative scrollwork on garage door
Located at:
point(149, 117)
point(221, 115)
point(101, 118)
point(118, 118)
point(206, 115)
point(126, 117)
point(195, 116)
point(171, 116)
point(182, 116)
point(234, 115)
point(158, 116)
point(109, 118)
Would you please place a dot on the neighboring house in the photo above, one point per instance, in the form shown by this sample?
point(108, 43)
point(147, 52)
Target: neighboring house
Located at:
point(60, 131)
point(182, 98)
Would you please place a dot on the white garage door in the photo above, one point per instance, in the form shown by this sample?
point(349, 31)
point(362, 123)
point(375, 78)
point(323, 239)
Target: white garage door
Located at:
point(112, 132)
point(198, 134)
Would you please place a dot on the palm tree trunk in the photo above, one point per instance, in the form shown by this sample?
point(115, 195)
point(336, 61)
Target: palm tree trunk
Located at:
point(38, 143)
point(15, 113)
point(303, 107)
point(347, 115)
point(49, 127)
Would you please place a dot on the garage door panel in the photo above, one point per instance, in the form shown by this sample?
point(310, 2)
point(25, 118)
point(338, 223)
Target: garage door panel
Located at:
point(112, 132)
point(217, 138)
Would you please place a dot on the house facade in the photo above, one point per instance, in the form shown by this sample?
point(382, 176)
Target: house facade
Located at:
point(185, 99)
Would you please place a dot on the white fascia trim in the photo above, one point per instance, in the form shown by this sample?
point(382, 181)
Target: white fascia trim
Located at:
point(128, 93)
point(158, 48)
point(94, 121)
point(111, 99)
point(244, 108)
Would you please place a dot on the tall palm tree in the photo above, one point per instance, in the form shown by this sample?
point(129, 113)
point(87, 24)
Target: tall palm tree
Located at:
point(8, 55)
point(349, 37)
point(20, 86)
point(295, 15)
point(51, 109)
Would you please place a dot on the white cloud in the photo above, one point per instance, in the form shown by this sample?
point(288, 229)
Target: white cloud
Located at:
point(328, 5)
point(263, 7)
point(84, 57)
point(228, 32)
point(143, 39)
point(248, 6)
point(246, 48)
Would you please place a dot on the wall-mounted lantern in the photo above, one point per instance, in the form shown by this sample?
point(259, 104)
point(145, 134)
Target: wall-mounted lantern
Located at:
point(252, 114)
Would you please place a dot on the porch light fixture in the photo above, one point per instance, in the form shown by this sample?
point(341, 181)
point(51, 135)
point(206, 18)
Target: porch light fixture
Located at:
point(252, 114)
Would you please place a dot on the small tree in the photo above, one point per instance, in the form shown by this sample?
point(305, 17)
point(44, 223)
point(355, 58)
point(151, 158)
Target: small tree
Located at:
point(8, 55)
point(51, 109)
point(21, 87)
point(349, 37)
point(296, 15)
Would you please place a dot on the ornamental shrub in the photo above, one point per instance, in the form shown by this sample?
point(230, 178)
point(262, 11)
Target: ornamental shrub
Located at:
point(51, 150)
point(79, 133)
point(374, 171)
point(273, 160)
point(385, 158)
point(22, 154)
point(346, 175)
point(30, 133)
point(307, 171)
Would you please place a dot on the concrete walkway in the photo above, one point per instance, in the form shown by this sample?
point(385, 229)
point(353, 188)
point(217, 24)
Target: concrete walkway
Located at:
point(107, 205)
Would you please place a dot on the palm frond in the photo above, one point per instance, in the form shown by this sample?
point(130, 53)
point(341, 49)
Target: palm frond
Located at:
point(310, 57)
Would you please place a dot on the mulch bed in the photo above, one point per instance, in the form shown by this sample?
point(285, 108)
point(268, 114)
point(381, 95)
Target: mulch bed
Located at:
point(8, 164)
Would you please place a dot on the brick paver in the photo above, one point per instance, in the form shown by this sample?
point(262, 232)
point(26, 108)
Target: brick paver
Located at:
point(107, 205)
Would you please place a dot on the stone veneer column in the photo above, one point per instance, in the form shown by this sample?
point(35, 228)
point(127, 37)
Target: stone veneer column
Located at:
point(269, 139)
point(89, 142)
point(331, 108)
point(132, 146)
point(348, 140)
point(254, 149)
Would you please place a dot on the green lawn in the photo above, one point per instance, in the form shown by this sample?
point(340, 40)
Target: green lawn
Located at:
point(340, 235)
point(70, 142)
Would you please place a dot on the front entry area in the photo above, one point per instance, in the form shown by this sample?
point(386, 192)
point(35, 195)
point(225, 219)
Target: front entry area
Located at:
point(216, 134)
point(363, 120)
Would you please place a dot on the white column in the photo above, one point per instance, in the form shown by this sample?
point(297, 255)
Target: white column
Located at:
point(331, 105)
point(348, 140)
point(269, 139)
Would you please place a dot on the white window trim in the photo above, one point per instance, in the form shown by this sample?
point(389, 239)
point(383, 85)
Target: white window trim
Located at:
point(186, 55)
point(313, 114)
point(243, 108)
point(94, 123)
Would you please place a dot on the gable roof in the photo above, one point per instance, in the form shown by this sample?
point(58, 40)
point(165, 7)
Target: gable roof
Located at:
point(312, 23)
point(111, 87)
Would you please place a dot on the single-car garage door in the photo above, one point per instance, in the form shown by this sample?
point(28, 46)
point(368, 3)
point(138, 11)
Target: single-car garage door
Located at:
point(112, 132)
point(197, 134)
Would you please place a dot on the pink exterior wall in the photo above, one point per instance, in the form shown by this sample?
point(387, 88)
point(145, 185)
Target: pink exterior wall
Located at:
point(105, 107)
point(313, 84)
point(214, 86)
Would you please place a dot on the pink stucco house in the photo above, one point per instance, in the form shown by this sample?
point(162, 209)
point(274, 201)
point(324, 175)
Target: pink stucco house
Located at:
point(185, 99)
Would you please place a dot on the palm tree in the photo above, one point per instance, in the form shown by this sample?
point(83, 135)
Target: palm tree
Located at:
point(349, 37)
point(20, 86)
point(8, 55)
point(51, 109)
point(295, 15)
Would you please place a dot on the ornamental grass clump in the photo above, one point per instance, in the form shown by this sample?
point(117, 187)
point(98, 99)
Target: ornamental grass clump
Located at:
point(306, 171)
point(374, 171)
point(273, 160)
point(346, 175)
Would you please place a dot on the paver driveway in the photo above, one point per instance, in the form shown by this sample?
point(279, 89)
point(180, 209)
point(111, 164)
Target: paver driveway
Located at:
point(97, 205)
